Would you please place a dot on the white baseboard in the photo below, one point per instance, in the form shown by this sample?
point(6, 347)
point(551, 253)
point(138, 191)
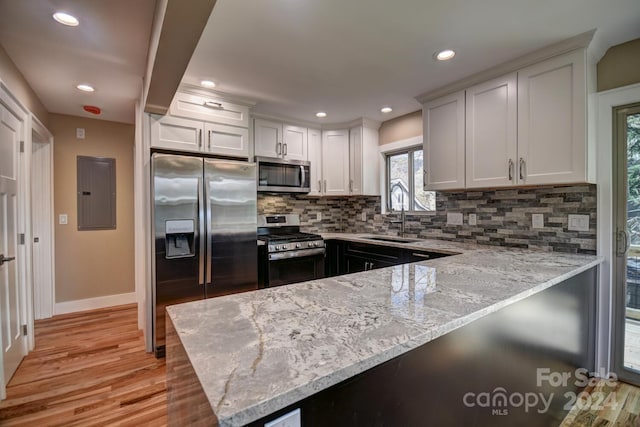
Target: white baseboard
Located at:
point(94, 303)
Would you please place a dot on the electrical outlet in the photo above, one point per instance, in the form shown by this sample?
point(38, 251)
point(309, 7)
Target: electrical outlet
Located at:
point(292, 419)
point(579, 222)
point(363, 216)
point(80, 133)
point(537, 221)
point(454, 218)
point(473, 220)
point(62, 219)
point(319, 216)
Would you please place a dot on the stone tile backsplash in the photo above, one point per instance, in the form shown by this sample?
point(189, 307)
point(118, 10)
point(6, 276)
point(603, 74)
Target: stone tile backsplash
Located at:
point(503, 216)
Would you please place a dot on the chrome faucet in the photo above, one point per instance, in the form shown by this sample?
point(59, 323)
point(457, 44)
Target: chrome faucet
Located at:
point(400, 221)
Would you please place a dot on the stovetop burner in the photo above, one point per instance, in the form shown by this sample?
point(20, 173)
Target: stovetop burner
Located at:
point(289, 237)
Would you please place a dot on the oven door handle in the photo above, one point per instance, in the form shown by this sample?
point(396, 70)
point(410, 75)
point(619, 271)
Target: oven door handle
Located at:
point(296, 254)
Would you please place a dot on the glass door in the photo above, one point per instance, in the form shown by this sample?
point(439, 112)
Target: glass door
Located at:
point(626, 170)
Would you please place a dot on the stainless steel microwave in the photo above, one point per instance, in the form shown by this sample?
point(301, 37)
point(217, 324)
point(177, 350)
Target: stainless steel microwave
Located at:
point(283, 176)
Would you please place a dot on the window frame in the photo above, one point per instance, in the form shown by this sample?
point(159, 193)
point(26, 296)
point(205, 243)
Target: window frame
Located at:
point(399, 147)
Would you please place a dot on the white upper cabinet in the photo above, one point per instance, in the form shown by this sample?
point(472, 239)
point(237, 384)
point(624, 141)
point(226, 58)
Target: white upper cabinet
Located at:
point(526, 128)
point(226, 140)
point(444, 143)
point(364, 165)
point(552, 110)
point(491, 133)
point(267, 137)
point(210, 109)
point(335, 167)
point(175, 133)
point(294, 140)
point(315, 158)
point(275, 139)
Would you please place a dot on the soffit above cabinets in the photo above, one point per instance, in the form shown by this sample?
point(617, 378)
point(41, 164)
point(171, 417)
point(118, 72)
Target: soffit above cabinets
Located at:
point(350, 58)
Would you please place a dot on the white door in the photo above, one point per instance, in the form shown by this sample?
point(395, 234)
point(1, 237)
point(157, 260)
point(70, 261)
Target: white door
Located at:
point(491, 133)
point(294, 140)
point(13, 342)
point(355, 160)
point(444, 142)
point(267, 136)
point(227, 140)
point(335, 165)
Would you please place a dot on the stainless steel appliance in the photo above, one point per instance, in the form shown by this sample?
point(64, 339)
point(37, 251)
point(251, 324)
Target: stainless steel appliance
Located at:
point(292, 256)
point(204, 215)
point(284, 176)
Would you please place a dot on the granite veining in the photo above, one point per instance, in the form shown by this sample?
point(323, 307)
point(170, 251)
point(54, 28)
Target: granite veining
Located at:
point(257, 352)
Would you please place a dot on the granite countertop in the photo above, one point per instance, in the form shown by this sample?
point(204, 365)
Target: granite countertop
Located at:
point(257, 352)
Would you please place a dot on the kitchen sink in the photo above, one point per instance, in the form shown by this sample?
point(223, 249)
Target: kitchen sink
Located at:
point(392, 239)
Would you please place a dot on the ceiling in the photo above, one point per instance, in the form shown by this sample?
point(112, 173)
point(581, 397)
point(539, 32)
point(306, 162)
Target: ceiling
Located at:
point(350, 58)
point(108, 50)
point(296, 57)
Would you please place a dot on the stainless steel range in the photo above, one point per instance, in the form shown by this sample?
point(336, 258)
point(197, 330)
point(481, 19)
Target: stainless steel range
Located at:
point(291, 256)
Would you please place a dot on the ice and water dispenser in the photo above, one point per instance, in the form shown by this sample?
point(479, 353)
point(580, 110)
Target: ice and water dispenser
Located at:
point(180, 238)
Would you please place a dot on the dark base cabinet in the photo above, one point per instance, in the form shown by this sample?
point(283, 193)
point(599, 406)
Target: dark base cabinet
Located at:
point(494, 371)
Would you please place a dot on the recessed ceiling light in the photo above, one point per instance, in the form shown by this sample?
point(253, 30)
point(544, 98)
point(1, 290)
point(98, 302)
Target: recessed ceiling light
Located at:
point(321, 114)
point(85, 88)
point(445, 55)
point(207, 83)
point(66, 19)
point(386, 110)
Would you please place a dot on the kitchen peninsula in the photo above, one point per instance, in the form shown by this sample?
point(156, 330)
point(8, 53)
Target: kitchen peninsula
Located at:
point(388, 346)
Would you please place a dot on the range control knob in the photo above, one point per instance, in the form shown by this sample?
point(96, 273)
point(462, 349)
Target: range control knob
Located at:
point(310, 244)
point(298, 245)
point(277, 247)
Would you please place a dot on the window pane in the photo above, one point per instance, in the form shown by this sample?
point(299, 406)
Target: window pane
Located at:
point(423, 200)
point(399, 181)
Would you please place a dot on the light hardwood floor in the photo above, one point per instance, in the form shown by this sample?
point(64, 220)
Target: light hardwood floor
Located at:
point(88, 369)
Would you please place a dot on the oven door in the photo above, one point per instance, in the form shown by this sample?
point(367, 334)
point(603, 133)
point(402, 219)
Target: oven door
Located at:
point(283, 270)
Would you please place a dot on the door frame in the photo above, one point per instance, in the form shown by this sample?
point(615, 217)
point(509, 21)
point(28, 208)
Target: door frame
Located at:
point(23, 255)
point(618, 265)
point(44, 305)
point(601, 106)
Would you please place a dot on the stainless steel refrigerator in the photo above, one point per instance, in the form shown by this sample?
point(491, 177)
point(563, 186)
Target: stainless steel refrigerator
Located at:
point(204, 215)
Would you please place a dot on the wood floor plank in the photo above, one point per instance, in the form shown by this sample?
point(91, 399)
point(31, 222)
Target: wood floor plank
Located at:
point(88, 369)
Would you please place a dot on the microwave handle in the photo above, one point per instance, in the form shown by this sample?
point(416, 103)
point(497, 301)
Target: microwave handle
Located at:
point(303, 176)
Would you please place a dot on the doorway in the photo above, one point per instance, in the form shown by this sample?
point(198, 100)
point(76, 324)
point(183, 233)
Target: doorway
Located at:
point(626, 261)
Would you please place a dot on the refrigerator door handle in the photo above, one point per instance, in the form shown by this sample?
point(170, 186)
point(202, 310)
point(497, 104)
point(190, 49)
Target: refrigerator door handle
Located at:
point(201, 232)
point(208, 232)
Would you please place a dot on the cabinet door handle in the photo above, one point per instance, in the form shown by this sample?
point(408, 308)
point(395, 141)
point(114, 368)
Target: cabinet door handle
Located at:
point(350, 186)
point(510, 170)
point(279, 148)
point(325, 186)
point(212, 104)
point(199, 138)
point(284, 149)
point(419, 255)
point(424, 178)
point(319, 186)
point(522, 167)
point(366, 265)
point(209, 139)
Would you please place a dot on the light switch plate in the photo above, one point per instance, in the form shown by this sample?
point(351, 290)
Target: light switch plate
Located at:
point(319, 216)
point(537, 221)
point(292, 419)
point(62, 219)
point(473, 219)
point(579, 222)
point(454, 218)
point(364, 216)
point(80, 133)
